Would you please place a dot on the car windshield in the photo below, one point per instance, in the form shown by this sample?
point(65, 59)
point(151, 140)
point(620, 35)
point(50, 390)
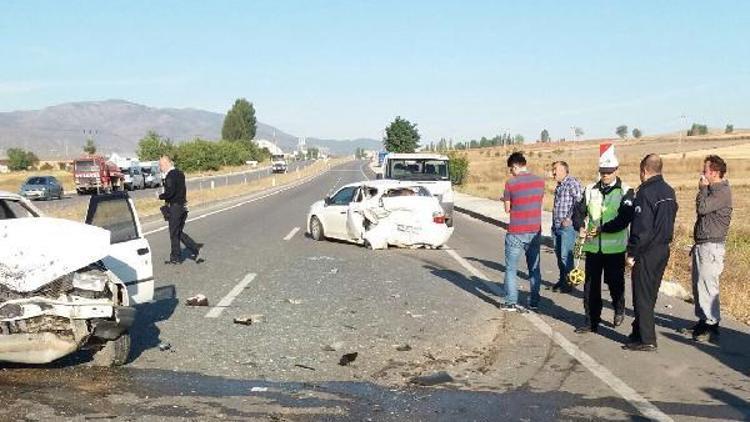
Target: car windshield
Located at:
point(36, 181)
point(146, 171)
point(86, 166)
point(403, 169)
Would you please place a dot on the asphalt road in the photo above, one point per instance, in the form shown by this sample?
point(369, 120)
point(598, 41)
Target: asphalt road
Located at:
point(193, 183)
point(320, 300)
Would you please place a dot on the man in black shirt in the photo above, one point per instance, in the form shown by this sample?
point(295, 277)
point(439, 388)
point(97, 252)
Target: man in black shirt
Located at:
point(648, 249)
point(176, 202)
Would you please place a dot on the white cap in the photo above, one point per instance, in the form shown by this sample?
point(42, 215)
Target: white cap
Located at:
point(607, 158)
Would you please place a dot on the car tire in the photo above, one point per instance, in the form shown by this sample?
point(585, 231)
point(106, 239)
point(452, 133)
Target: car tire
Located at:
point(113, 353)
point(316, 229)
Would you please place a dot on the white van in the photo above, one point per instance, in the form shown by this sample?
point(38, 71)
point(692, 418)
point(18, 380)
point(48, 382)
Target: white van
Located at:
point(429, 170)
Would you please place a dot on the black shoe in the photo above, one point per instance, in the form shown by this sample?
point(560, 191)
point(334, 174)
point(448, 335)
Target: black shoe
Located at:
point(639, 347)
point(172, 262)
point(619, 318)
point(533, 308)
point(558, 287)
point(706, 332)
point(585, 329)
point(634, 338)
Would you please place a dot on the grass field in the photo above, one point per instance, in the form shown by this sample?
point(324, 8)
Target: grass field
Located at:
point(683, 162)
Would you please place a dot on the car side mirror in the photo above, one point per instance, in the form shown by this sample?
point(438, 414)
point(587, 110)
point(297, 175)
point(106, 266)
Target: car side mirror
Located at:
point(327, 200)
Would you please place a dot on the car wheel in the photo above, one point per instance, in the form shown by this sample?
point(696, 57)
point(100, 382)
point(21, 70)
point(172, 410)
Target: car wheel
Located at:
point(113, 353)
point(316, 229)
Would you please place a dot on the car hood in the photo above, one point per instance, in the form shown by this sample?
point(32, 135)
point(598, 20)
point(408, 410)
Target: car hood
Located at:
point(33, 187)
point(37, 251)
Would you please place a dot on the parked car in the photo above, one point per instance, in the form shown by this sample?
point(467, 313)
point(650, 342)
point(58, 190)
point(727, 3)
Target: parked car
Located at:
point(67, 286)
point(42, 187)
point(134, 179)
point(152, 176)
point(380, 213)
point(95, 174)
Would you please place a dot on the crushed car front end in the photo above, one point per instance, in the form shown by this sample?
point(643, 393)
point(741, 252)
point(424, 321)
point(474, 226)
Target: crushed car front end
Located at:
point(85, 308)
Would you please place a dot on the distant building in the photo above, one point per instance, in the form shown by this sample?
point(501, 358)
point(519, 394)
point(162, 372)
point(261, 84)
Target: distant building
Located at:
point(272, 148)
point(4, 166)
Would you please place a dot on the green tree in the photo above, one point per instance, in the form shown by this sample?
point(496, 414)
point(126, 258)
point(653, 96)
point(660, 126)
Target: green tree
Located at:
point(518, 139)
point(637, 133)
point(460, 145)
point(152, 147)
point(459, 164)
point(473, 144)
point(622, 131)
point(544, 136)
point(697, 129)
point(578, 132)
point(401, 136)
point(240, 123)
point(19, 159)
point(729, 128)
point(198, 155)
point(89, 147)
point(313, 153)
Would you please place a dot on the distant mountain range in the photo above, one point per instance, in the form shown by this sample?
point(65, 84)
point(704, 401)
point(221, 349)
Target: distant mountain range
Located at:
point(116, 125)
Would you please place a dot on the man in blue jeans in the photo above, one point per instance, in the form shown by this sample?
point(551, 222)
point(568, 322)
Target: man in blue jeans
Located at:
point(567, 194)
point(523, 201)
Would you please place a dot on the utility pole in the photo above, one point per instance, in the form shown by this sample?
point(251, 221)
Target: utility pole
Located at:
point(683, 124)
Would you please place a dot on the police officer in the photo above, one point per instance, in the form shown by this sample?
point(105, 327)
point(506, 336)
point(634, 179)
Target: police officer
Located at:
point(175, 196)
point(602, 218)
point(648, 249)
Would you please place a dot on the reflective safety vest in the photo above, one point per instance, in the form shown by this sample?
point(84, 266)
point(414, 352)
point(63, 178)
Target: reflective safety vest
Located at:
point(603, 209)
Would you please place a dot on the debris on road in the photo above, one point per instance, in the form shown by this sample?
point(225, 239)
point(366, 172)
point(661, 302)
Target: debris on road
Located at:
point(165, 346)
point(259, 389)
point(414, 315)
point(197, 300)
point(294, 301)
point(248, 320)
point(333, 346)
point(348, 358)
point(309, 368)
point(403, 347)
point(334, 270)
point(441, 377)
point(668, 306)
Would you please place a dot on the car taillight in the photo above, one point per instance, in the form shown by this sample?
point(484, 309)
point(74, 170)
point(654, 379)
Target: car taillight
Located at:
point(438, 218)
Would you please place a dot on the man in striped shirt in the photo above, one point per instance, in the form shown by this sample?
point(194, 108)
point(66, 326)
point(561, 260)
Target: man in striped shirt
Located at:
point(523, 201)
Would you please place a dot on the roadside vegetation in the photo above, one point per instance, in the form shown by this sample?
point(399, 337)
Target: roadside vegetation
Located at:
point(150, 207)
point(488, 172)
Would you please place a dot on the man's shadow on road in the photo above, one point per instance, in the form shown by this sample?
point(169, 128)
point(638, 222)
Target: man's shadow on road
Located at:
point(733, 349)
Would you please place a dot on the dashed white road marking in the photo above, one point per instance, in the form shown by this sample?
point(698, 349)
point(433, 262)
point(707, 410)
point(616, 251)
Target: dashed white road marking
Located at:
point(645, 407)
point(229, 298)
point(291, 233)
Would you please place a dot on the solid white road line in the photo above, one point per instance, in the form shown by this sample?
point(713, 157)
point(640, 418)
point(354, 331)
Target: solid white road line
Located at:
point(208, 214)
point(291, 233)
point(645, 407)
point(229, 298)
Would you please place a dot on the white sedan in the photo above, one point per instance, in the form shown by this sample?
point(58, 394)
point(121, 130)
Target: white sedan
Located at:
point(379, 213)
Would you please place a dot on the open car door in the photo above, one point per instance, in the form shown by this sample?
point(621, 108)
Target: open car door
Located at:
point(130, 253)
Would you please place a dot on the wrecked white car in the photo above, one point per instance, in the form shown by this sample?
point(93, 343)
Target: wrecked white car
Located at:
point(380, 213)
point(67, 286)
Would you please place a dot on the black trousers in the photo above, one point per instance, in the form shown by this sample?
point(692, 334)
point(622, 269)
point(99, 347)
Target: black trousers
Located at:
point(613, 267)
point(647, 274)
point(177, 216)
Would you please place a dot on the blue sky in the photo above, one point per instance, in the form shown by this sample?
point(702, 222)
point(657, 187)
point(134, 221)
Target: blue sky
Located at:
point(344, 69)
